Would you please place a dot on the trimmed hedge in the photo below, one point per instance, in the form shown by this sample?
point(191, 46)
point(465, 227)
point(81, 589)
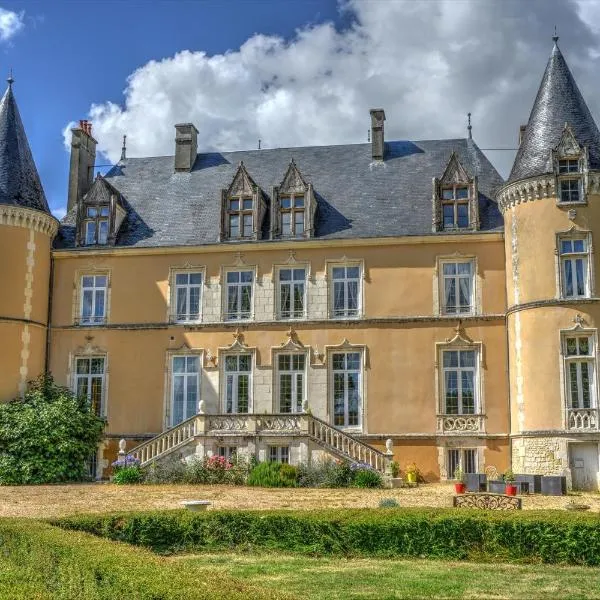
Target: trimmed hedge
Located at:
point(532, 536)
point(38, 561)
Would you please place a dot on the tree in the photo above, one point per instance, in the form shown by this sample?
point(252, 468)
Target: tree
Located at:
point(47, 436)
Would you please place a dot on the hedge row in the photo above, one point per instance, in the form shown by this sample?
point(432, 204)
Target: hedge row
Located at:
point(38, 561)
point(435, 533)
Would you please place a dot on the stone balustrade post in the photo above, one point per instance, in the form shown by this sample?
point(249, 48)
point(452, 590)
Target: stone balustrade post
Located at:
point(201, 423)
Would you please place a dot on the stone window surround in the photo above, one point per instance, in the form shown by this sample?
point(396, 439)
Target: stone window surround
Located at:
point(462, 444)
point(292, 346)
point(568, 148)
point(306, 265)
point(171, 289)
point(345, 262)
point(569, 234)
point(239, 266)
point(90, 351)
point(438, 283)
point(238, 347)
point(91, 270)
point(578, 330)
point(460, 341)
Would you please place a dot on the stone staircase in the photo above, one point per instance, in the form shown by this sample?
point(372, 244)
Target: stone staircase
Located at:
point(332, 440)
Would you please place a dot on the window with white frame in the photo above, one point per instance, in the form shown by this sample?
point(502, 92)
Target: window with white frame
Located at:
point(238, 295)
point(455, 207)
point(240, 217)
point(459, 382)
point(574, 267)
point(227, 452)
point(188, 296)
point(96, 225)
point(346, 388)
point(185, 388)
point(345, 295)
point(457, 287)
point(569, 180)
point(292, 215)
point(280, 454)
point(461, 458)
point(292, 288)
point(579, 356)
point(291, 377)
point(93, 299)
point(90, 380)
point(238, 372)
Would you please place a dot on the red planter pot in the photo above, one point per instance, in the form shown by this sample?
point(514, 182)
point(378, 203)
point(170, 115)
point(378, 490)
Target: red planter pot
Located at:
point(511, 490)
point(459, 488)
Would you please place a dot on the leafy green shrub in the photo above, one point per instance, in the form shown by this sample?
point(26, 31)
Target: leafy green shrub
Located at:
point(325, 473)
point(47, 436)
point(388, 503)
point(273, 474)
point(128, 475)
point(367, 478)
point(455, 534)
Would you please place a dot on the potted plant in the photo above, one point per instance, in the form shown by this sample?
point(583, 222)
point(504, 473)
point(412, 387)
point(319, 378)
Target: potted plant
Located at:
point(509, 480)
point(412, 473)
point(394, 469)
point(459, 484)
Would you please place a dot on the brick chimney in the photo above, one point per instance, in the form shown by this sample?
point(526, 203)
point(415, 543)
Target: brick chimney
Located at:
point(522, 129)
point(83, 158)
point(377, 138)
point(186, 146)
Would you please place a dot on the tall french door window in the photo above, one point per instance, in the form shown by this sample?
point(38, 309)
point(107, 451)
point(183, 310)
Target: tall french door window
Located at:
point(89, 381)
point(238, 370)
point(291, 369)
point(463, 458)
point(457, 287)
point(346, 373)
point(291, 293)
point(93, 299)
point(239, 295)
point(346, 288)
point(574, 268)
point(579, 361)
point(188, 296)
point(459, 381)
point(186, 388)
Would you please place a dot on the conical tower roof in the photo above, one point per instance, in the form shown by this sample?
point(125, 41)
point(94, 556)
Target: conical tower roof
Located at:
point(558, 101)
point(19, 180)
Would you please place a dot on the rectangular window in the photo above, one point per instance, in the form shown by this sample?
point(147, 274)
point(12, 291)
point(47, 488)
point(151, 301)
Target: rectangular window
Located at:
point(93, 299)
point(291, 293)
point(96, 228)
point(186, 388)
point(240, 218)
point(455, 207)
point(90, 233)
point(280, 454)
point(346, 291)
point(227, 452)
point(569, 190)
point(188, 296)
point(463, 458)
point(568, 165)
point(89, 382)
point(291, 368)
point(239, 295)
point(574, 268)
point(292, 215)
point(346, 372)
point(457, 288)
point(238, 368)
point(103, 231)
point(459, 382)
point(579, 356)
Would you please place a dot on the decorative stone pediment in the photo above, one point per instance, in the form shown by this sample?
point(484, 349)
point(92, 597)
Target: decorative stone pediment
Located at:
point(238, 344)
point(568, 146)
point(460, 338)
point(455, 172)
point(242, 184)
point(292, 342)
point(89, 348)
point(293, 182)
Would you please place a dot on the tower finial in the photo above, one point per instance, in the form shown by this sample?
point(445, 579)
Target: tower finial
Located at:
point(124, 148)
point(10, 79)
point(555, 36)
point(469, 127)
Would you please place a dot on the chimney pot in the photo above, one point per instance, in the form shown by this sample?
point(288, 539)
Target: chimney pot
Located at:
point(522, 129)
point(377, 134)
point(186, 146)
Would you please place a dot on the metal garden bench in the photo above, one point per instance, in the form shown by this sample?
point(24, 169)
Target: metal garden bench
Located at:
point(487, 501)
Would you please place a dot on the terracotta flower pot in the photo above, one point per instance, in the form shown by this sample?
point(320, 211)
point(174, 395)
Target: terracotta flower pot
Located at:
point(459, 487)
point(511, 490)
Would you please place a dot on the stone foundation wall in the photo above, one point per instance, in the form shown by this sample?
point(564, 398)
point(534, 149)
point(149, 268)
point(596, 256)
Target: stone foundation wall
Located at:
point(540, 455)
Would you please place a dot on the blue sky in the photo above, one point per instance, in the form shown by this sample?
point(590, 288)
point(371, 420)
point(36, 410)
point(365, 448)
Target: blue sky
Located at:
point(285, 71)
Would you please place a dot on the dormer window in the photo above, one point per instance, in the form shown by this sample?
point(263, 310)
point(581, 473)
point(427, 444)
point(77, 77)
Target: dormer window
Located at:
point(240, 217)
point(455, 207)
point(96, 225)
point(569, 180)
point(292, 215)
point(570, 163)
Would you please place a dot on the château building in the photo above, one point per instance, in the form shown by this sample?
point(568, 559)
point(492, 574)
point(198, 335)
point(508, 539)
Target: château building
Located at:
point(395, 299)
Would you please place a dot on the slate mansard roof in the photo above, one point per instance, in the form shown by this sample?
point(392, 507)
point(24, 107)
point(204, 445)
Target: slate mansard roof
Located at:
point(356, 198)
point(19, 180)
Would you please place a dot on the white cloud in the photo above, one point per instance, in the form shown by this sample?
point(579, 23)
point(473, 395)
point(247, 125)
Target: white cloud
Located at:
point(10, 23)
point(60, 212)
point(426, 63)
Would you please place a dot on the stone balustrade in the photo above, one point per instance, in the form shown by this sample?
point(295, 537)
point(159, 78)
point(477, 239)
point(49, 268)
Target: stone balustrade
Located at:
point(582, 419)
point(453, 424)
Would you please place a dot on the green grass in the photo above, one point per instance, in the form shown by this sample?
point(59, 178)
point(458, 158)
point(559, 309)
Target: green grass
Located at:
point(384, 579)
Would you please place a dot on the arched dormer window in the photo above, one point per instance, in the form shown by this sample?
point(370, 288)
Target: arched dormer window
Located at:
point(570, 166)
point(293, 206)
point(242, 208)
point(455, 199)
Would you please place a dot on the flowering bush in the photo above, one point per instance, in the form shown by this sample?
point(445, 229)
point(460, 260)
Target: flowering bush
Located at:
point(127, 470)
point(217, 469)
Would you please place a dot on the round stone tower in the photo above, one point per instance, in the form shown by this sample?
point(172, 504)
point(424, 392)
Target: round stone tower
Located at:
point(26, 232)
point(551, 208)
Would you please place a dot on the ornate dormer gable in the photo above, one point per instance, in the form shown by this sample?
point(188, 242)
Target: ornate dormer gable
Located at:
point(100, 214)
point(455, 198)
point(243, 208)
point(570, 165)
point(293, 206)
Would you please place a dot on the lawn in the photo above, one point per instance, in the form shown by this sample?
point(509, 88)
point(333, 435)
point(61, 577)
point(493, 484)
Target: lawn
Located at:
point(380, 579)
point(48, 501)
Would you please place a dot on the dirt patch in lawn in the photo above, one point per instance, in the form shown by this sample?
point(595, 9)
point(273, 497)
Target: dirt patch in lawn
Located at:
point(61, 500)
